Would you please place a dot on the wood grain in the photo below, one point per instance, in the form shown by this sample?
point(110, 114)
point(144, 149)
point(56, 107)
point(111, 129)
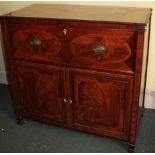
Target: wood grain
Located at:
point(101, 103)
point(40, 93)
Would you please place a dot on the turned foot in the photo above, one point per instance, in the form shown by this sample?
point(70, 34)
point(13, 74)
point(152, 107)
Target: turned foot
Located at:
point(131, 148)
point(20, 120)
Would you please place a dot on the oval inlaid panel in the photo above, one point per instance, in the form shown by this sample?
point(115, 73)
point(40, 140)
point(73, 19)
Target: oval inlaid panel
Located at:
point(36, 41)
point(110, 49)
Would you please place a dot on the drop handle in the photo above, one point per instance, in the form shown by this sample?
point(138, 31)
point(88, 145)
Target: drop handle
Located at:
point(99, 49)
point(35, 42)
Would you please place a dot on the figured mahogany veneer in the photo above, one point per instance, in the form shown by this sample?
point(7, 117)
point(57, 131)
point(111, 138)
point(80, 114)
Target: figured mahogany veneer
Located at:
point(31, 82)
point(85, 72)
point(118, 44)
point(102, 103)
point(49, 37)
point(49, 43)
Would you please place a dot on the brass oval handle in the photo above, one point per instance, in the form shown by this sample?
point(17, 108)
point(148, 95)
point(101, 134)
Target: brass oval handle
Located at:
point(35, 42)
point(99, 49)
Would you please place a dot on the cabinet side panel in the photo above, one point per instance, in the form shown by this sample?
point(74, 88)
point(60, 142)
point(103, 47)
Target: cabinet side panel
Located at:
point(9, 67)
point(136, 90)
point(140, 81)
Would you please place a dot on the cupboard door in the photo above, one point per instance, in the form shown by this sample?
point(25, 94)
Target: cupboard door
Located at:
point(42, 92)
point(101, 103)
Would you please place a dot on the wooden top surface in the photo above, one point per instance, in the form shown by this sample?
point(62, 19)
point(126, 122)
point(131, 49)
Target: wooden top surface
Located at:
point(83, 12)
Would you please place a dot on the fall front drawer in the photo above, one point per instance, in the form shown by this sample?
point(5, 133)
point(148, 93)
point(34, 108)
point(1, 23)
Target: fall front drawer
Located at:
point(91, 46)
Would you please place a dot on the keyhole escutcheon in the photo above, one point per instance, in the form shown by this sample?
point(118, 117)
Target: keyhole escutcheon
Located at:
point(65, 31)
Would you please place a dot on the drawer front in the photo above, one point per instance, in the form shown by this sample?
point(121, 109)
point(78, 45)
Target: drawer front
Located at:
point(36, 42)
point(74, 45)
point(98, 47)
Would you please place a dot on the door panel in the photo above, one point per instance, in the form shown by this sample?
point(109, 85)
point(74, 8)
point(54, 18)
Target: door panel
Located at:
point(42, 92)
point(101, 103)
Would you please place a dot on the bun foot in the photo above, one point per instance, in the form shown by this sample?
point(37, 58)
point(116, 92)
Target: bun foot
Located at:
point(131, 148)
point(20, 120)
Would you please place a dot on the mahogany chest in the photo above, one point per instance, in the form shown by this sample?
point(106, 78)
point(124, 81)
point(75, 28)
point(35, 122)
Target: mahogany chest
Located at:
point(79, 67)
